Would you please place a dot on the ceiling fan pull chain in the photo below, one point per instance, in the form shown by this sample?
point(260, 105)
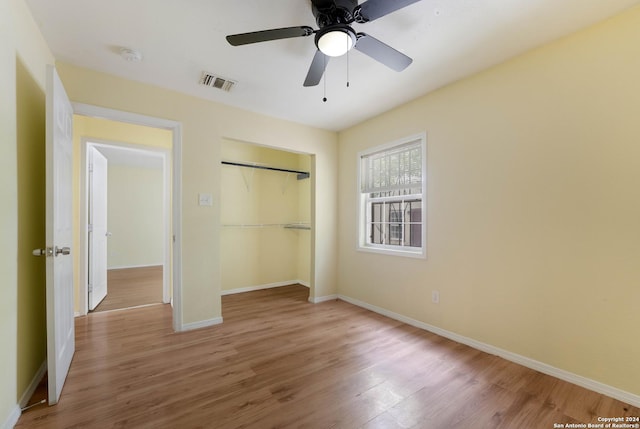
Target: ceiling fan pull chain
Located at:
point(324, 79)
point(347, 68)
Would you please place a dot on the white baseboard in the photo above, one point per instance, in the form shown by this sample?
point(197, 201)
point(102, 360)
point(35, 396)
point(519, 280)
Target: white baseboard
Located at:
point(587, 383)
point(261, 287)
point(201, 324)
point(24, 399)
point(124, 267)
point(319, 299)
point(12, 418)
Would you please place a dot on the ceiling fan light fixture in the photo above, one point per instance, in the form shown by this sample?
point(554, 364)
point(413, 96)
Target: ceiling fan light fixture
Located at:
point(336, 41)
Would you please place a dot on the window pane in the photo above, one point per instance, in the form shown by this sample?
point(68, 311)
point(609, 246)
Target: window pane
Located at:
point(376, 233)
point(395, 223)
point(415, 227)
point(391, 182)
point(393, 169)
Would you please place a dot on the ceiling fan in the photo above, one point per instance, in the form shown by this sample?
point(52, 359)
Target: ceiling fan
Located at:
point(336, 37)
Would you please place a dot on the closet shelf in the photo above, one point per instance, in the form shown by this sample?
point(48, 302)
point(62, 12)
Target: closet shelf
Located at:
point(297, 226)
point(301, 174)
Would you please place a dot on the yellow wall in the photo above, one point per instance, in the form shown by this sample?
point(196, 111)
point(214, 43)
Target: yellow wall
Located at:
point(204, 125)
point(100, 130)
point(533, 209)
point(119, 132)
point(259, 256)
point(135, 216)
point(23, 59)
point(32, 325)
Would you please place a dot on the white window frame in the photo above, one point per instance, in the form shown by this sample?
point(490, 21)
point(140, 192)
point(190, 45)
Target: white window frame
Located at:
point(364, 216)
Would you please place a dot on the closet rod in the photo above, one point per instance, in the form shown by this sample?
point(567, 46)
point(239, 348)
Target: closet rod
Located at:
point(301, 174)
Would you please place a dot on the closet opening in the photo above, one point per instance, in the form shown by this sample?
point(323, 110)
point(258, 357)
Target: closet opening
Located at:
point(265, 204)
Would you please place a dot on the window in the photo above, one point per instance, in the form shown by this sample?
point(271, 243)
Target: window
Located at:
point(392, 198)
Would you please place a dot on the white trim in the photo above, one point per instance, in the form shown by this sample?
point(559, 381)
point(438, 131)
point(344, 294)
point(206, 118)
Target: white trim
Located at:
point(201, 324)
point(319, 299)
point(12, 418)
point(127, 308)
point(570, 377)
point(37, 378)
point(176, 193)
point(261, 287)
point(381, 249)
point(122, 116)
point(126, 267)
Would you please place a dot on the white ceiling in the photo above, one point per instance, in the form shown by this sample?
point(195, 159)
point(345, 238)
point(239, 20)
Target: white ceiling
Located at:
point(447, 39)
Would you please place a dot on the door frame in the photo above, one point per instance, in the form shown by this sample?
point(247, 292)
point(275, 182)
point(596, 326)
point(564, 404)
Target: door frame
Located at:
point(175, 239)
point(164, 154)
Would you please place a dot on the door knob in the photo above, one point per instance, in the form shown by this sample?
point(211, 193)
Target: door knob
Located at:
point(63, 251)
point(47, 251)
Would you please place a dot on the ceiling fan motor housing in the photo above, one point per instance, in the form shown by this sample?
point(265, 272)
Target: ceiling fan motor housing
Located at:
point(332, 12)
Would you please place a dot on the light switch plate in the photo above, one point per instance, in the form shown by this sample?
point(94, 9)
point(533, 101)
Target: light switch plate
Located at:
point(205, 199)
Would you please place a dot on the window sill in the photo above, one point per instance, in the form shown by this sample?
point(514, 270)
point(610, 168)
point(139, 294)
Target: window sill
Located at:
point(417, 254)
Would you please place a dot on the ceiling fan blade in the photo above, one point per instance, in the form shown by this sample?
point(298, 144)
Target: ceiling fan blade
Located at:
point(381, 52)
point(318, 65)
point(374, 9)
point(266, 35)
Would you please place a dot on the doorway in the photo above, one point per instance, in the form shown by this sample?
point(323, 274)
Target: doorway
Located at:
point(127, 211)
point(172, 184)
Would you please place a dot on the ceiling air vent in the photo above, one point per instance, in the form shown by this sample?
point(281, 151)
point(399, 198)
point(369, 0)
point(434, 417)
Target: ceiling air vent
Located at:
point(209, 79)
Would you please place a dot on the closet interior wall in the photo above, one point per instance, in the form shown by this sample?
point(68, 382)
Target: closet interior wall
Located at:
point(259, 249)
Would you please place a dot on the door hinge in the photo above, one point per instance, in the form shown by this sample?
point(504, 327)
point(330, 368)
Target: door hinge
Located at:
point(89, 227)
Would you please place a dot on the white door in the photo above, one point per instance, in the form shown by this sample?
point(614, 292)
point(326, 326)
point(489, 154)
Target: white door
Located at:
point(60, 329)
point(97, 227)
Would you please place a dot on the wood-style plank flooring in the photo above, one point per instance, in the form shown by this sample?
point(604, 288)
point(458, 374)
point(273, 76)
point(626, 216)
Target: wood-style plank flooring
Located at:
point(278, 361)
point(131, 287)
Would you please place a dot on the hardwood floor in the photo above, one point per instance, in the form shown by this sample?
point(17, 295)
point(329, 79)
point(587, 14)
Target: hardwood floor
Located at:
point(131, 287)
point(278, 361)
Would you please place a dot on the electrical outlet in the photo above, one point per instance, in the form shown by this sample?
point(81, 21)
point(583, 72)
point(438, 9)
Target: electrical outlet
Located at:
point(435, 296)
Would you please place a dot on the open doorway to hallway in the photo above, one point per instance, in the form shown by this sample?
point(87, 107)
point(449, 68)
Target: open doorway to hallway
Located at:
point(126, 226)
point(125, 202)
